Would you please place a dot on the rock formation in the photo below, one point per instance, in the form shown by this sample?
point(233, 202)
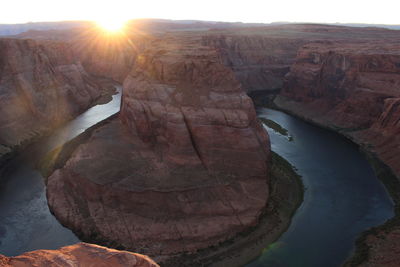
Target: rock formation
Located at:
point(42, 84)
point(261, 57)
point(183, 167)
point(109, 55)
point(259, 61)
point(82, 255)
point(353, 88)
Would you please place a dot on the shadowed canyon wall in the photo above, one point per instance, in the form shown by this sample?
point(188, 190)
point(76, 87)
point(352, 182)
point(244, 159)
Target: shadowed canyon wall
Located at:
point(353, 88)
point(42, 84)
point(183, 167)
point(185, 164)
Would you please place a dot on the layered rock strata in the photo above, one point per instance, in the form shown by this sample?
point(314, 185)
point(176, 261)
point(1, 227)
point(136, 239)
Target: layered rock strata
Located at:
point(259, 61)
point(261, 57)
point(42, 84)
point(109, 55)
point(82, 255)
point(183, 167)
point(353, 88)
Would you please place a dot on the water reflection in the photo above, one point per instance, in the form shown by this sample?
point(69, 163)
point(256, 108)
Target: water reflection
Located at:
point(26, 223)
point(343, 196)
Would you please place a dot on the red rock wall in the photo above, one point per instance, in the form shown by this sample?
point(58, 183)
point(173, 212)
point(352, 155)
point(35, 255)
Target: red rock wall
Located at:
point(42, 84)
point(111, 56)
point(351, 87)
point(259, 61)
point(191, 106)
point(184, 167)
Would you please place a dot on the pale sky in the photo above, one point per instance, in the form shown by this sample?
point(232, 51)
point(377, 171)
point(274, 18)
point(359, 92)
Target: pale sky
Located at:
point(345, 11)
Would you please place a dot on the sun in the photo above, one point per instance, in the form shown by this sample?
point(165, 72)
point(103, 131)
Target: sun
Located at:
point(111, 25)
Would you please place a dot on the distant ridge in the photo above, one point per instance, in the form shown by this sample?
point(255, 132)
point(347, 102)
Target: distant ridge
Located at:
point(163, 24)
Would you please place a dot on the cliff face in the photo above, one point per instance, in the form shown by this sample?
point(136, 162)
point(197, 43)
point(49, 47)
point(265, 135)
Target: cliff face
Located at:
point(184, 167)
point(42, 84)
point(111, 56)
point(353, 88)
point(261, 57)
point(259, 61)
point(82, 254)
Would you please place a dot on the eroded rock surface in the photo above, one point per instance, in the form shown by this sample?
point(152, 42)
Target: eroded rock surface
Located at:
point(183, 167)
point(42, 84)
point(353, 88)
point(79, 255)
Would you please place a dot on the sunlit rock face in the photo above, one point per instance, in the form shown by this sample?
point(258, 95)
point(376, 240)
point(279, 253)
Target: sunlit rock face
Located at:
point(41, 85)
point(109, 55)
point(82, 255)
point(184, 166)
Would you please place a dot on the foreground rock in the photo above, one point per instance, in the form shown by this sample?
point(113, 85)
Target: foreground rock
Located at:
point(353, 88)
point(42, 85)
point(81, 255)
point(183, 167)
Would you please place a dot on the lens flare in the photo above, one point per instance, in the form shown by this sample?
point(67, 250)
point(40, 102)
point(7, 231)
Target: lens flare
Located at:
point(111, 24)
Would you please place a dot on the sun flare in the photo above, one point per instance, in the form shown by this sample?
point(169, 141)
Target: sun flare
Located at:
point(111, 25)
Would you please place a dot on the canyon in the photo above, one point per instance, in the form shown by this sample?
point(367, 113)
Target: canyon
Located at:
point(42, 85)
point(183, 166)
point(186, 165)
point(353, 88)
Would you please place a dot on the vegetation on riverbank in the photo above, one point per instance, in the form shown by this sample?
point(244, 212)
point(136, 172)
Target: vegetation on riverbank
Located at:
point(276, 127)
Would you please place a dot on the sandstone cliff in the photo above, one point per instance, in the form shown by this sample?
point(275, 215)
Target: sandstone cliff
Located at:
point(109, 55)
point(82, 255)
point(183, 167)
point(261, 57)
point(259, 61)
point(42, 84)
point(353, 88)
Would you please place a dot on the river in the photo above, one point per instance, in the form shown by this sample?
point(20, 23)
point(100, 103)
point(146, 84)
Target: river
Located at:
point(26, 222)
point(342, 198)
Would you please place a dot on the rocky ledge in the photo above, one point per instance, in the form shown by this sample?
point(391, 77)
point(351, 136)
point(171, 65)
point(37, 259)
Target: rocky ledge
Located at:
point(82, 255)
point(183, 167)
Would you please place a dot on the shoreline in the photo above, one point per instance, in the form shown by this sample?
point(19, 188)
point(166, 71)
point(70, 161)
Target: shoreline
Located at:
point(384, 173)
point(107, 92)
point(286, 196)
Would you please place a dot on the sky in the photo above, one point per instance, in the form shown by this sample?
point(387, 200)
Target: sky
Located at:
point(344, 11)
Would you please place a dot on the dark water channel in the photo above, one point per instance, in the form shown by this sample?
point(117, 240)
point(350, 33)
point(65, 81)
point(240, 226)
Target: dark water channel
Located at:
point(25, 220)
point(343, 196)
